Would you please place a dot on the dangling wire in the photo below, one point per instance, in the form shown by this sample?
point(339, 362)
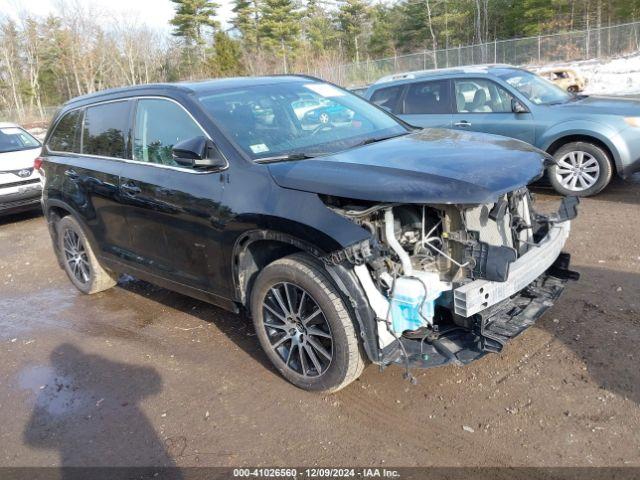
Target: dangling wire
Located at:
point(407, 374)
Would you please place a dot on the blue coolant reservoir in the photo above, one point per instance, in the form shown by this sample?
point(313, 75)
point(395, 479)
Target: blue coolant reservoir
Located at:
point(407, 299)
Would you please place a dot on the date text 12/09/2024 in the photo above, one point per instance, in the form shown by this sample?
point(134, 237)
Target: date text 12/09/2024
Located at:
point(315, 473)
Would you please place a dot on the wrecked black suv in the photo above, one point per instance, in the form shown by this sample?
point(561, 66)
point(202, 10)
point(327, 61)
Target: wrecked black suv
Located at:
point(349, 237)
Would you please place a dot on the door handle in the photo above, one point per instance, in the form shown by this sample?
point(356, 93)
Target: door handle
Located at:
point(462, 123)
point(72, 174)
point(130, 188)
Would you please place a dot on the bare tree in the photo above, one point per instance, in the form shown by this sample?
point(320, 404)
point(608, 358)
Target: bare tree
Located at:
point(9, 56)
point(434, 41)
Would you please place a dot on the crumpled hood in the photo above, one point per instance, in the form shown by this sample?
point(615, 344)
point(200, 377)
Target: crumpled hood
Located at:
point(428, 166)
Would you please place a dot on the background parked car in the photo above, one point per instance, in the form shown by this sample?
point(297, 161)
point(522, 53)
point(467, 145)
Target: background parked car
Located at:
point(591, 138)
point(20, 186)
point(302, 106)
point(566, 78)
point(327, 113)
point(361, 91)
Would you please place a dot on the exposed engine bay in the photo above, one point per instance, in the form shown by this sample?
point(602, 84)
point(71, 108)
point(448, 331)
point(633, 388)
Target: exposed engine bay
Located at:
point(431, 270)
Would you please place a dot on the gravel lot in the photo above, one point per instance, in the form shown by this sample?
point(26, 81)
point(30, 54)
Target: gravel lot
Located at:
point(142, 376)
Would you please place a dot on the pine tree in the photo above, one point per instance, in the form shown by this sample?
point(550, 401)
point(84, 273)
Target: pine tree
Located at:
point(381, 42)
point(415, 26)
point(352, 17)
point(227, 56)
point(318, 27)
point(628, 10)
point(535, 15)
point(192, 17)
point(280, 26)
point(247, 22)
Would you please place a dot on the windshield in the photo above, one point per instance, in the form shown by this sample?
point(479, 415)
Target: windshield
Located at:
point(14, 138)
point(537, 89)
point(308, 118)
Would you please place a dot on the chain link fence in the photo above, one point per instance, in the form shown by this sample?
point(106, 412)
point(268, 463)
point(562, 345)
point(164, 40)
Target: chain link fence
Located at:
point(600, 43)
point(605, 42)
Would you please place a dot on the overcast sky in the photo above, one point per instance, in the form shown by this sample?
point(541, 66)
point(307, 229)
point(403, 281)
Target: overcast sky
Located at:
point(155, 13)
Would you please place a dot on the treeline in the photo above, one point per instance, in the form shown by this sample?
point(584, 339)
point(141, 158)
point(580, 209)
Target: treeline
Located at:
point(45, 61)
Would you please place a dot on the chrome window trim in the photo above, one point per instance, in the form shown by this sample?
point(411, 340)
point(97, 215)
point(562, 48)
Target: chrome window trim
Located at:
point(137, 162)
point(127, 160)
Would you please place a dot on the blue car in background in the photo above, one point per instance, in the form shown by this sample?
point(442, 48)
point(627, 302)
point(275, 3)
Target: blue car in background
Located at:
point(590, 138)
point(327, 114)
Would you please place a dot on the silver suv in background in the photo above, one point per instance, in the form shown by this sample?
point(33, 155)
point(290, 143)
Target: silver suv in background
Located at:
point(590, 138)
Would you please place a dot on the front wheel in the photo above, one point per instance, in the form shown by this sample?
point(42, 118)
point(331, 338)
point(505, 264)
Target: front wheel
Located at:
point(304, 327)
point(582, 169)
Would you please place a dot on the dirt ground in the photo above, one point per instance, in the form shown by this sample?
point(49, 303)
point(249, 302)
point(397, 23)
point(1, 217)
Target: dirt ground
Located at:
point(142, 376)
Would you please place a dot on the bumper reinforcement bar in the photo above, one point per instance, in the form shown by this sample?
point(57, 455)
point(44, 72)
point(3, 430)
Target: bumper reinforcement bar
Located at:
point(479, 295)
point(493, 328)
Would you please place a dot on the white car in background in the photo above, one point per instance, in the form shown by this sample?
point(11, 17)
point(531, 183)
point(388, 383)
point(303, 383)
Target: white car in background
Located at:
point(20, 185)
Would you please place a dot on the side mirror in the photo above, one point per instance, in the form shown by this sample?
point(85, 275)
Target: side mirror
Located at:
point(198, 152)
point(517, 107)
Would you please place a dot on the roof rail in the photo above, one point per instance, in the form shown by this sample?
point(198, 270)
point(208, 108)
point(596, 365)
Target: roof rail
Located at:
point(441, 71)
point(111, 91)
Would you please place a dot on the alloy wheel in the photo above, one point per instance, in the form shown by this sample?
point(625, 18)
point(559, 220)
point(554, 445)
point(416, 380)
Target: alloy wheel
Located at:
point(76, 256)
point(297, 329)
point(324, 118)
point(577, 171)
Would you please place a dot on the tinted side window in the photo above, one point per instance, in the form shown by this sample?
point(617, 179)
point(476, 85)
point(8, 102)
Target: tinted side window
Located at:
point(105, 129)
point(388, 98)
point(160, 124)
point(66, 136)
point(428, 97)
point(481, 96)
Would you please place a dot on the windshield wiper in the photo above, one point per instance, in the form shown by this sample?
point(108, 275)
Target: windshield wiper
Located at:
point(304, 156)
point(578, 96)
point(284, 158)
point(573, 98)
point(368, 141)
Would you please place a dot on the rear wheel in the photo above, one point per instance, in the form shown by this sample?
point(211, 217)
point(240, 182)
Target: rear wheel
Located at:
point(304, 326)
point(582, 169)
point(79, 261)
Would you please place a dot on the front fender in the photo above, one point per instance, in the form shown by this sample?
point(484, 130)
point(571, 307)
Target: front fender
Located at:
point(301, 237)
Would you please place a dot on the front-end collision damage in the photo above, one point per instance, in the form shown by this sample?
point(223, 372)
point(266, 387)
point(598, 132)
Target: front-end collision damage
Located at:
point(449, 283)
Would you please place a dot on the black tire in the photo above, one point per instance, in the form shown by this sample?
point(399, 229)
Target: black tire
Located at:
point(78, 259)
point(567, 157)
point(573, 89)
point(299, 277)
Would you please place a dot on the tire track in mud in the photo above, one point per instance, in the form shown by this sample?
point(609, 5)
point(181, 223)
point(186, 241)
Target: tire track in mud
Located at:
point(432, 435)
point(422, 432)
